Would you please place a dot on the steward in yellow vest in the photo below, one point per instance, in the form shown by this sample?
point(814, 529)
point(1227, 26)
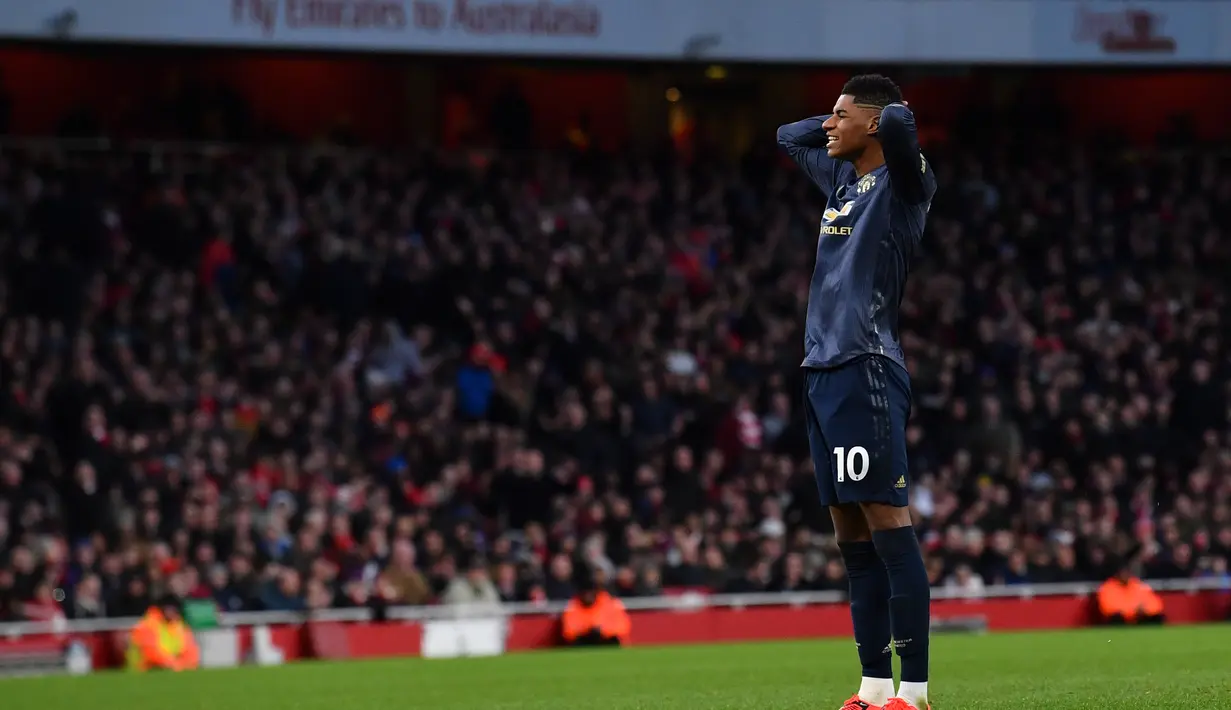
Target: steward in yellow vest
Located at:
point(162, 641)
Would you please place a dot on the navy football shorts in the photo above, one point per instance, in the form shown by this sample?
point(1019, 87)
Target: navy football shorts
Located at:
point(856, 415)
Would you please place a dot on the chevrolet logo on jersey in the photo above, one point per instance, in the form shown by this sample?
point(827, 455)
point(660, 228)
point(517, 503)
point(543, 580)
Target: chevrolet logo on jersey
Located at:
point(831, 214)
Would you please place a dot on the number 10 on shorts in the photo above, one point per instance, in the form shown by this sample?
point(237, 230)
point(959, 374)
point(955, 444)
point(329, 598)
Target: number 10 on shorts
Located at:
point(852, 463)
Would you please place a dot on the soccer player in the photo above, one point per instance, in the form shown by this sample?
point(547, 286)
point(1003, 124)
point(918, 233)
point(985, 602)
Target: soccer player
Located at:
point(865, 158)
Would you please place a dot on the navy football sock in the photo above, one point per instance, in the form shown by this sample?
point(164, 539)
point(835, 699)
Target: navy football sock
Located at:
point(909, 600)
point(869, 584)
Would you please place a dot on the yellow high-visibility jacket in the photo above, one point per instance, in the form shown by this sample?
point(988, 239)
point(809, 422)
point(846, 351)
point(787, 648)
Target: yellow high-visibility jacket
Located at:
point(156, 643)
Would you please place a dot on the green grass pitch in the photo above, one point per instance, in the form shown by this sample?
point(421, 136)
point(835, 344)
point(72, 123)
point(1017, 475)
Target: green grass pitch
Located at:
point(1126, 669)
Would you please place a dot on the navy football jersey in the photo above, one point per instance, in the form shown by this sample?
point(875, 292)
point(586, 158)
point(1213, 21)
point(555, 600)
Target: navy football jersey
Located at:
point(869, 234)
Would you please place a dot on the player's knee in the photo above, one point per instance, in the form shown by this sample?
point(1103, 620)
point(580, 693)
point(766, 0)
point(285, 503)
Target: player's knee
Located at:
point(882, 516)
point(849, 523)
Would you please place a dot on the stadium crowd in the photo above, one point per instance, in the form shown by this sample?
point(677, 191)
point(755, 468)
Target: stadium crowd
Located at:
point(294, 380)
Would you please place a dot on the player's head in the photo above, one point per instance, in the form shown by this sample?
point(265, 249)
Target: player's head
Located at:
point(856, 115)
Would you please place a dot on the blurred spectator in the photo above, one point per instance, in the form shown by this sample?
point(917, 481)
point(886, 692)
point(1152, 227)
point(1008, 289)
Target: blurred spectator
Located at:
point(833, 577)
point(87, 602)
point(134, 597)
point(716, 573)
point(964, 582)
point(283, 592)
point(594, 617)
point(318, 597)
point(790, 576)
point(475, 589)
point(507, 584)
point(408, 584)
point(1016, 570)
point(1125, 599)
point(236, 587)
point(560, 578)
point(476, 383)
point(650, 583)
point(755, 580)
point(162, 641)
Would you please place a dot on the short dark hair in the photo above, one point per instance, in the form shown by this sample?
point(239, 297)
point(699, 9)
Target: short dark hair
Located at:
point(873, 90)
point(171, 602)
point(585, 579)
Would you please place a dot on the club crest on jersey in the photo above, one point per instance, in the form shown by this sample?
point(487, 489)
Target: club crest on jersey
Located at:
point(923, 163)
point(831, 214)
point(867, 182)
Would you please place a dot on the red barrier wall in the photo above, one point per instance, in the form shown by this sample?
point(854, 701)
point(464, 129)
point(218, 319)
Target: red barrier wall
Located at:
point(716, 625)
point(705, 625)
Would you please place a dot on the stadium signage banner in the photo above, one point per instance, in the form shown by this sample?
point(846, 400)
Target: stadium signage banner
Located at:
point(456, 638)
point(1133, 32)
point(1042, 31)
